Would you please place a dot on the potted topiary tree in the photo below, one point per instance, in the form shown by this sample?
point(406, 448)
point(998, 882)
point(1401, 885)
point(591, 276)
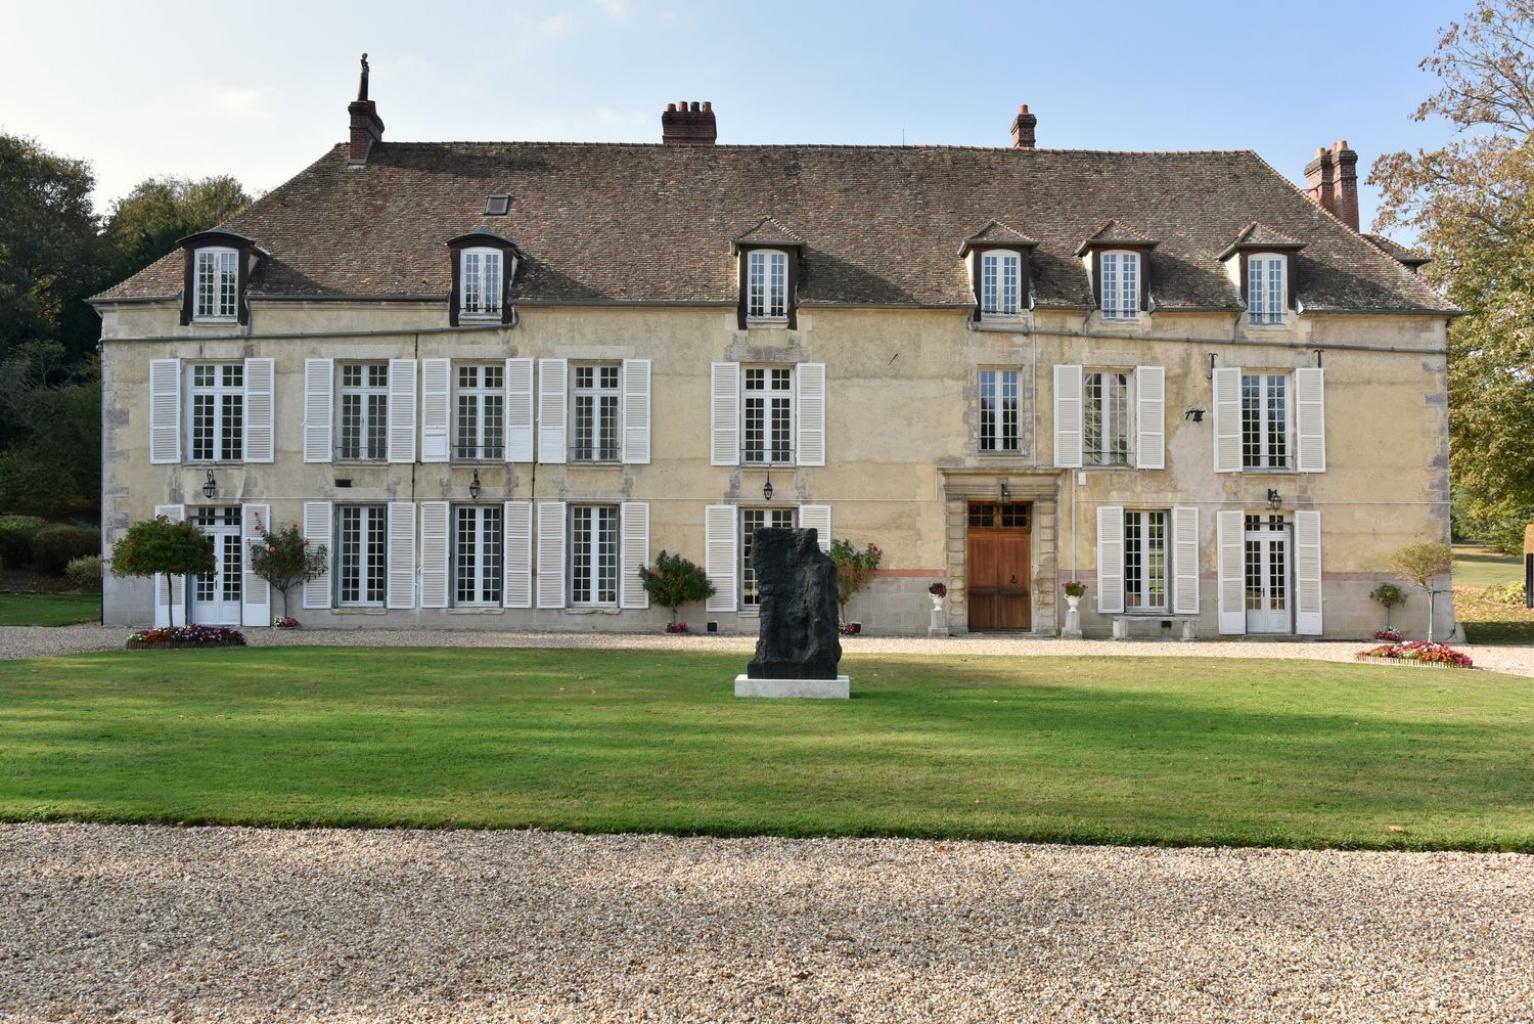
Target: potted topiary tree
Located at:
point(854, 570)
point(285, 559)
point(1420, 563)
point(158, 546)
point(672, 582)
point(1387, 596)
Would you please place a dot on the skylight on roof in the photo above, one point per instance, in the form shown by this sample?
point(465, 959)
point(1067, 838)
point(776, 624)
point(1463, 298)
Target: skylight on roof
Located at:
point(497, 206)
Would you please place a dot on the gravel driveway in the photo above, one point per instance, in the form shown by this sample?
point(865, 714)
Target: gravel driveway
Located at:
point(129, 923)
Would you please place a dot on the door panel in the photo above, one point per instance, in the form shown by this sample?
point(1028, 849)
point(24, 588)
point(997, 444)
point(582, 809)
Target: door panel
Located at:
point(998, 568)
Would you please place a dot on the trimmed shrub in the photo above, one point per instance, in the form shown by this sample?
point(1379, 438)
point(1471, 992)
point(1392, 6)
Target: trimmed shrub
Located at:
point(85, 573)
point(1504, 593)
point(56, 545)
point(16, 533)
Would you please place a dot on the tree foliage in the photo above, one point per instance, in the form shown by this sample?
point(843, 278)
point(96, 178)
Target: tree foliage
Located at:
point(146, 223)
point(1420, 563)
point(854, 569)
point(285, 559)
point(674, 581)
point(154, 546)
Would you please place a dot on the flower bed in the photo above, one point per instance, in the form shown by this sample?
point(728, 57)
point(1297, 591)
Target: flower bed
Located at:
point(186, 636)
point(1418, 652)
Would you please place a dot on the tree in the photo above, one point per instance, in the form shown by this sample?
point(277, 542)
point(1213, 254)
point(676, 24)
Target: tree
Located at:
point(155, 546)
point(1420, 563)
point(50, 432)
point(674, 581)
point(854, 570)
point(285, 560)
point(146, 223)
point(1387, 595)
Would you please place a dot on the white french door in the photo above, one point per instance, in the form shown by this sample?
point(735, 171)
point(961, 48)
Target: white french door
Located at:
point(1268, 555)
point(215, 596)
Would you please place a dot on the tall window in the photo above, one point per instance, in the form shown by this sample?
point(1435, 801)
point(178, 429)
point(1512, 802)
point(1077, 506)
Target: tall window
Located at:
point(479, 292)
point(1120, 285)
point(217, 283)
point(751, 520)
point(1105, 438)
point(364, 410)
point(766, 285)
point(223, 584)
point(481, 412)
point(477, 539)
point(593, 555)
point(999, 421)
point(1264, 421)
point(360, 541)
point(1267, 295)
point(218, 411)
point(1144, 560)
point(596, 413)
point(767, 437)
point(1001, 276)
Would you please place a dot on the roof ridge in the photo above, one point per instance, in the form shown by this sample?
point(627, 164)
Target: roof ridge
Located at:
point(819, 145)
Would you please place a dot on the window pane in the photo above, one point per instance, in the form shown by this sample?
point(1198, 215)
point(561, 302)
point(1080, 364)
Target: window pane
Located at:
point(988, 402)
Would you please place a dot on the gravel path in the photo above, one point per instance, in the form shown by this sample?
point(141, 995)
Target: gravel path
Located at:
point(126, 923)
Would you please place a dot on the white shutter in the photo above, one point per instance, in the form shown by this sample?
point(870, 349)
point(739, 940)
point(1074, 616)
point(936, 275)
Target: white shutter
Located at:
point(164, 411)
point(1068, 416)
point(401, 561)
point(551, 553)
point(401, 412)
point(1185, 561)
point(436, 402)
point(1227, 421)
point(636, 412)
point(255, 593)
point(1150, 417)
point(174, 613)
point(1310, 419)
point(1307, 573)
point(1232, 571)
point(519, 410)
point(1110, 559)
point(724, 417)
point(317, 531)
point(818, 517)
point(434, 554)
point(260, 383)
point(634, 517)
point(517, 559)
point(810, 385)
point(319, 413)
point(719, 528)
point(553, 403)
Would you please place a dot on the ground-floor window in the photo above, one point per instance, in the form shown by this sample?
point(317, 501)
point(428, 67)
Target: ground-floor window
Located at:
point(751, 520)
point(477, 538)
point(221, 587)
point(593, 555)
point(1145, 561)
point(361, 547)
point(1267, 573)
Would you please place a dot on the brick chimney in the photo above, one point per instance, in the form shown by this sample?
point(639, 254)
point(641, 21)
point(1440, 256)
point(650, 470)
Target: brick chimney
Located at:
point(366, 127)
point(688, 124)
point(1331, 182)
point(1022, 128)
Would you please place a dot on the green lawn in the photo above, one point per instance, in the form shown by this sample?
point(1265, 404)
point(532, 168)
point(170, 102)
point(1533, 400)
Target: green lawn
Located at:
point(1477, 567)
point(49, 609)
point(1489, 622)
point(1136, 750)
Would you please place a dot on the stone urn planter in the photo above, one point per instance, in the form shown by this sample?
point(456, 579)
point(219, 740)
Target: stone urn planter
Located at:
point(938, 625)
point(1074, 592)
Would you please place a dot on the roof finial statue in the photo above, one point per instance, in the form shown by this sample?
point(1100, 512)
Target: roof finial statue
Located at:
point(362, 89)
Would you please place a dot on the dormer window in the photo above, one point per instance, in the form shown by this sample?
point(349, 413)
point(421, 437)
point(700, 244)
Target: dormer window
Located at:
point(1267, 291)
point(480, 292)
point(996, 258)
point(1001, 276)
point(484, 267)
point(218, 283)
point(1116, 258)
point(1120, 285)
point(1261, 263)
point(217, 268)
point(767, 286)
point(769, 269)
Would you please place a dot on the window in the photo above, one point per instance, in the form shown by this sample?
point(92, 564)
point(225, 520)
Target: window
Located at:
point(767, 285)
point(361, 539)
point(1105, 419)
point(218, 412)
point(1267, 578)
point(767, 437)
point(1267, 296)
point(481, 412)
point(364, 410)
point(751, 520)
point(1120, 285)
point(999, 421)
point(479, 291)
point(596, 413)
point(593, 555)
point(1000, 283)
point(217, 283)
point(223, 584)
point(477, 538)
point(1145, 561)
point(1264, 421)
point(985, 515)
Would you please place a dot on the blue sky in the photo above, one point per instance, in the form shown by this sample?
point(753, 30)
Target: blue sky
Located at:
point(260, 90)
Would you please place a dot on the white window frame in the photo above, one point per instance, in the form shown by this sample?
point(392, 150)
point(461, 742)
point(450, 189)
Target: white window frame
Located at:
point(779, 384)
point(587, 566)
point(1001, 284)
point(992, 385)
point(609, 423)
point(220, 391)
point(1267, 289)
point(479, 397)
point(372, 519)
point(1120, 285)
point(750, 600)
point(481, 553)
point(215, 284)
point(368, 392)
point(481, 277)
point(1139, 532)
point(1098, 410)
point(767, 286)
point(1258, 446)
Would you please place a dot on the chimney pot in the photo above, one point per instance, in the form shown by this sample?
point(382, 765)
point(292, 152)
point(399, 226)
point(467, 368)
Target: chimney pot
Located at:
point(671, 107)
point(688, 123)
point(1023, 128)
point(1331, 182)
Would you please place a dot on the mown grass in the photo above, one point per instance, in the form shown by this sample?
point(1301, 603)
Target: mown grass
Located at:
point(1487, 621)
point(49, 609)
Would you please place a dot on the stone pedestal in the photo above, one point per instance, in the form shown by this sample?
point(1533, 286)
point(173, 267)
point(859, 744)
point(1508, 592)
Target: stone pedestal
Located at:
point(839, 688)
point(938, 626)
point(1072, 630)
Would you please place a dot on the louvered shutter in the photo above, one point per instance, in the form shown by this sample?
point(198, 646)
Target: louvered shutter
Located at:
point(1227, 420)
point(1110, 559)
point(319, 412)
point(1307, 573)
point(519, 410)
point(817, 517)
point(1310, 419)
point(810, 384)
point(636, 412)
point(173, 611)
point(436, 403)
point(634, 520)
point(719, 529)
point(553, 403)
point(1185, 561)
point(1150, 417)
point(255, 593)
point(401, 559)
point(401, 411)
point(1068, 416)
point(517, 586)
point(724, 415)
point(434, 553)
point(318, 531)
point(551, 553)
point(260, 384)
point(1232, 571)
point(164, 411)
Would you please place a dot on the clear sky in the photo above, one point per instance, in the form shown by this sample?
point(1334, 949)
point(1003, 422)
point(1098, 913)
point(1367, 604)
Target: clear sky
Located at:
point(260, 90)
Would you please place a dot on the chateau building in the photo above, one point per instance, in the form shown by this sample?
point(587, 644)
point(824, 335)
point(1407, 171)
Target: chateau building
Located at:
point(493, 379)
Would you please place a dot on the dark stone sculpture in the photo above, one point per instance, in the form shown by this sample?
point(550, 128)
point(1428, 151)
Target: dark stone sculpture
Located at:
point(797, 584)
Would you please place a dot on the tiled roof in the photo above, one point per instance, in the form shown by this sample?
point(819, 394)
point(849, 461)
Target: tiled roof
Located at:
point(1115, 232)
point(996, 233)
point(1260, 236)
point(614, 223)
point(768, 232)
point(1396, 251)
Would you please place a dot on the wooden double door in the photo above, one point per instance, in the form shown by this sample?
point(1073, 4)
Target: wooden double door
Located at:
point(999, 566)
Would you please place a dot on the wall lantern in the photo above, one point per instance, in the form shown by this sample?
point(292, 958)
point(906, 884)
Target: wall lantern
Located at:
point(1006, 495)
point(474, 486)
point(1195, 414)
point(209, 486)
point(767, 489)
point(1275, 500)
